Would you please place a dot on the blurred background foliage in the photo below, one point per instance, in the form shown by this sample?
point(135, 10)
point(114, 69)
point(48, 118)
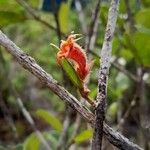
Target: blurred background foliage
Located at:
point(128, 106)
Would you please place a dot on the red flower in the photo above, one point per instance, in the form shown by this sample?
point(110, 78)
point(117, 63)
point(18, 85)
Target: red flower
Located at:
point(72, 51)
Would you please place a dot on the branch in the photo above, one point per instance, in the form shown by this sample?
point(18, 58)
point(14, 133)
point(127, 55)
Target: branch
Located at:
point(103, 72)
point(29, 64)
point(122, 69)
point(32, 123)
point(127, 113)
point(126, 72)
point(32, 12)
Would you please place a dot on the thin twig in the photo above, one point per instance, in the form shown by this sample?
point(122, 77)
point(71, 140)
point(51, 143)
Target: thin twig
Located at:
point(29, 64)
point(63, 137)
point(103, 73)
point(81, 16)
point(32, 12)
point(32, 124)
point(127, 113)
point(75, 131)
point(7, 115)
point(90, 42)
point(143, 110)
point(121, 68)
point(55, 13)
point(3, 106)
point(126, 72)
point(129, 13)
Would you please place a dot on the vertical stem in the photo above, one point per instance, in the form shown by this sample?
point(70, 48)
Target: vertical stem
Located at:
point(57, 26)
point(129, 17)
point(81, 16)
point(90, 41)
point(63, 137)
point(55, 11)
point(103, 73)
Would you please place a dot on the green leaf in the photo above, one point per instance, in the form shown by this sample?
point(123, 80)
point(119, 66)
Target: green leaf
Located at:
point(63, 16)
point(32, 143)
point(93, 93)
point(71, 73)
point(50, 119)
point(146, 3)
point(7, 5)
point(126, 53)
point(142, 18)
point(112, 109)
point(83, 136)
point(9, 17)
point(122, 6)
point(141, 43)
point(115, 45)
point(138, 44)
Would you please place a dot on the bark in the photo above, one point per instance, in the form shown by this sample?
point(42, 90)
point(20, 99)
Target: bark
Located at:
point(103, 75)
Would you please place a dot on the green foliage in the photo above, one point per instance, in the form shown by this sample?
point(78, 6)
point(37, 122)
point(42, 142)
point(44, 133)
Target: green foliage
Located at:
point(32, 143)
point(126, 53)
point(83, 136)
point(131, 46)
point(19, 81)
point(8, 5)
point(146, 3)
point(10, 13)
point(71, 73)
point(64, 17)
point(142, 18)
point(141, 43)
point(93, 93)
point(50, 119)
point(139, 46)
point(52, 137)
point(132, 3)
point(112, 109)
point(9, 17)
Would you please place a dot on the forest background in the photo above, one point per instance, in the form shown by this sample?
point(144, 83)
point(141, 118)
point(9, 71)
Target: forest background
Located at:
point(31, 116)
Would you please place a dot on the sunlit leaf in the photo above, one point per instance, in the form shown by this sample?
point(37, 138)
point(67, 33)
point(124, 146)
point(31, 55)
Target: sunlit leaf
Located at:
point(32, 143)
point(138, 44)
point(52, 120)
point(64, 17)
point(115, 45)
point(9, 5)
point(71, 73)
point(141, 43)
point(83, 136)
point(122, 7)
point(142, 18)
point(93, 93)
point(126, 53)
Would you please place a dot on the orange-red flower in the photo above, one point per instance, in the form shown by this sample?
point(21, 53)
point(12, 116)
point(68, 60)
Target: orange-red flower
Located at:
point(72, 51)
